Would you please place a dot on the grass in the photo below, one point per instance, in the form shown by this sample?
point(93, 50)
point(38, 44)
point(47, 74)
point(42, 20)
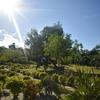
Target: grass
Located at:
point(86, 69)
point(38, 74)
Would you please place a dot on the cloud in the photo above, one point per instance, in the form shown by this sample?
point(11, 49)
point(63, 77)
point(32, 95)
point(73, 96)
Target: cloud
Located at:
point(9, 38)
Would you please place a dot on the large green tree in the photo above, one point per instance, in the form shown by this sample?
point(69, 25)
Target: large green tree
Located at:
point(57, 47)
point(36, 41)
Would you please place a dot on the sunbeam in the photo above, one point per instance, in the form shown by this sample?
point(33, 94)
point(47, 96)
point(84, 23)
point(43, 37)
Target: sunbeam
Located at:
point(10, 8)
point(19, 35)
point(18, 31)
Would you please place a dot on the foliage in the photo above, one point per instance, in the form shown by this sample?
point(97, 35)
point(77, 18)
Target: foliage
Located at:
point(47, 31)
point(13, 55)
point(15, 84)
point(1, 89)
point(55, 44)
point(55, 77)
point(55, 47)
point(62, 80)
point(32, 87)
point(34, 41)
point(50, 86)
point(3, 79)
point(86, 88)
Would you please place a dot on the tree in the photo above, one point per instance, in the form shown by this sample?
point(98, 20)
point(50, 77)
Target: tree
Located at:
point(76, 52)
point(34, 41)
point(95, 56)
point(53, 47)
point(57, 47)
point(51, 30)
point(85, 57)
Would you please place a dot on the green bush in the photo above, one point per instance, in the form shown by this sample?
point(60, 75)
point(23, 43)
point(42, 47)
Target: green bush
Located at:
point(62, 80)
point(15, 84)
point(11, 74)
point(50, 86)
point(1, 85)
point(55, 77)
point(42, 75)
point(71, 81)
point(26, 78)
point(3, 79)
point(35, 74)
point(32, 87)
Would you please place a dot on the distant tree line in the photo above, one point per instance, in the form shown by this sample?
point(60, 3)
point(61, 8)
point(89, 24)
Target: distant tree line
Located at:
point(53, 43)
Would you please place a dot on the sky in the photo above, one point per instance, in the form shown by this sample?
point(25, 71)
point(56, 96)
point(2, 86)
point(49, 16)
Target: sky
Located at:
point(80, 18)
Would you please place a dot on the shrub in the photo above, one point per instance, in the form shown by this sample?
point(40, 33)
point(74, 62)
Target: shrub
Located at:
point(62, 80)
point(32, 87)
point(50, 86)
point(15, 84)
point(35, 74)
point(26, 78)
point(1, 89)
point(42, 75)
point(55, 77)
point(11, 74)
point(70, 81)
point(3, 80)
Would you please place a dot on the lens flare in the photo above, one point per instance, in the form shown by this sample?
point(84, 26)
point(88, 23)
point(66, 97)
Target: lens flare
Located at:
point(10, 7)
point(18, 31)
point(19, 35)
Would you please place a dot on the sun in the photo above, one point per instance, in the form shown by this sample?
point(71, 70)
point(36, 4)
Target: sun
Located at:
point(9, 7)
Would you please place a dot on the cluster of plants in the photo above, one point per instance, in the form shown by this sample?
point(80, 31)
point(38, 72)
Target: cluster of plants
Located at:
point(36, 83)
point(86, 87)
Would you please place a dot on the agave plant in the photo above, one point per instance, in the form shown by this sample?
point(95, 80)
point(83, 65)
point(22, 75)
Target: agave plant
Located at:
point(87, 88)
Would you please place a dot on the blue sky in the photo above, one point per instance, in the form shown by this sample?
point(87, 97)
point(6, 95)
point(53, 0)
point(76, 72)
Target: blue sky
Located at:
point(81, 18)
